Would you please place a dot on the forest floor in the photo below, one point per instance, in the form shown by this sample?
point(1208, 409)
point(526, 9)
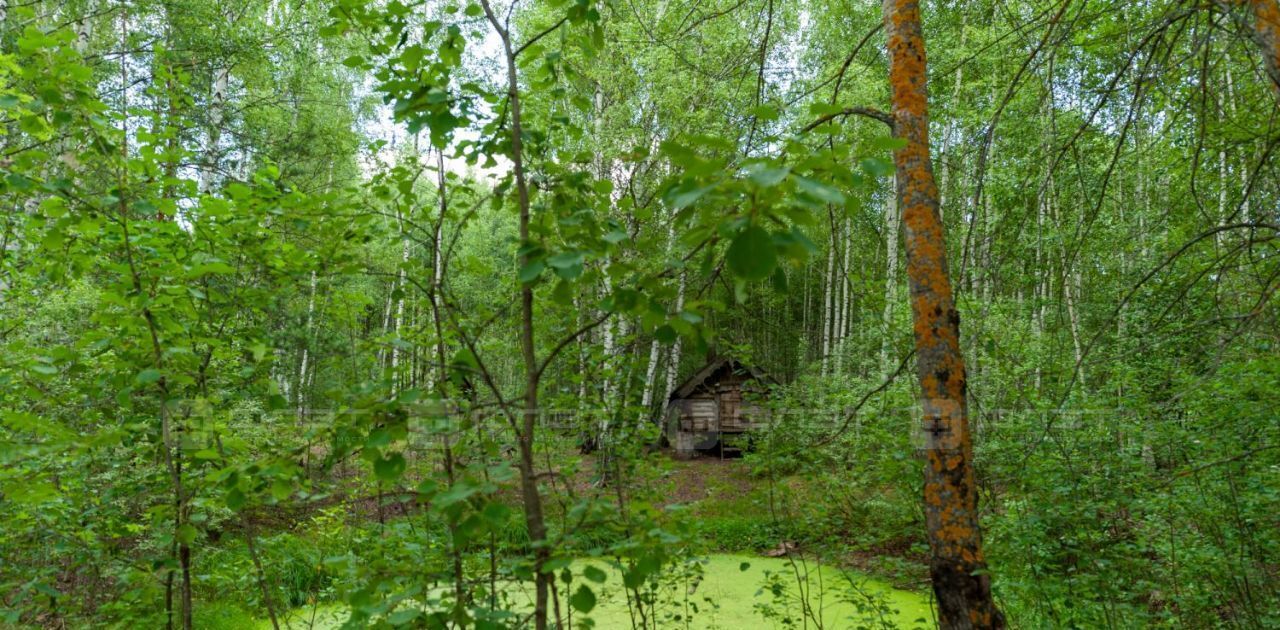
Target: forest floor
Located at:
point(751, 513)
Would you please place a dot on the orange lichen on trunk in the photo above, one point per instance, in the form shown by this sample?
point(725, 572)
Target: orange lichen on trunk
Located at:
point(1266, 29)
point(957, 566)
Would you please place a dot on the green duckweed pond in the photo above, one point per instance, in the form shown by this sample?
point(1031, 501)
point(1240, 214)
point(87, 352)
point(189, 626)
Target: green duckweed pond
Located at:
point(720, 591)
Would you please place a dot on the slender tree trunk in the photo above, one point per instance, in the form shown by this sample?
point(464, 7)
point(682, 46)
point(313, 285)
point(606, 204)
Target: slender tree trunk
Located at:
point(1244, 158)
point(891, 229)
point(1223, 175)
point(84, 31)
point(651, 374)
point(651, 394)
point(673, 362)
point(217, 101)
point(847, 283)
point(949, 139)
point(837, 298)
point(957, 565)
point(306, 348)
point(398, 320)
point(828, 284)
point(1069, 292)
point(608, 331)
point(437, 372)
point(387, 310)
point(1266, 33)
point(532, 499)
point(806, 333)
point(439, 382)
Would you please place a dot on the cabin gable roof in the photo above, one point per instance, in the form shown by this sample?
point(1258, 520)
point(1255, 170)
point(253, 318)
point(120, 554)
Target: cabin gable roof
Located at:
point(691, 384)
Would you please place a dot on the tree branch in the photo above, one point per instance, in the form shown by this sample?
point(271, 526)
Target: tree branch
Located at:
point(868, 112)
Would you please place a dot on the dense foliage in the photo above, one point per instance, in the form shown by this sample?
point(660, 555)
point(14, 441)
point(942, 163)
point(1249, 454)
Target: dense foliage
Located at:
point(375, 307)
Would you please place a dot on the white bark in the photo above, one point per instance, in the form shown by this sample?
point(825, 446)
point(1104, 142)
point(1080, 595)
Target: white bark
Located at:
point(217, 100)
point(399, 303)
point(948, 138)
point(437, 270)
point(847, 283)
point(1244, 162)
point(84, 31)
point(827, 299)
point(655, 350)
point(891, 230)
point(1069, 295)
point(306, 346)
point(673, 363)
point(837, 324)
point(1223, 175)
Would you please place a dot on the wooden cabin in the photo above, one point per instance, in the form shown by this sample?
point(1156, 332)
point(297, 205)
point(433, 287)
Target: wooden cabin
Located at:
point(711, 405)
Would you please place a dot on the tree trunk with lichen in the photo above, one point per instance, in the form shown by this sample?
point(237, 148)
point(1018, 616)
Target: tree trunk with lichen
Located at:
point(957, 565)
point(1266, 32)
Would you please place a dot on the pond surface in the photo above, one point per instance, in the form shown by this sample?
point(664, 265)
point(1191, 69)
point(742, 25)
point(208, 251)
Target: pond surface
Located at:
point(721, 593)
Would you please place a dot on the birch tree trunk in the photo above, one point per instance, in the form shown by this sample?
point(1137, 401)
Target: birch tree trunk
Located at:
point(399, 304)
point(306, 346)
point(1266, 33)
point(1244, 159)
point(891, 229)
point(837, 289)
point(847, 283)
point(217, 101)
point(655, 350)
point(673, 363)
point(827, 320)
point(957, 565)
point(949, 139)
point(1069, 292)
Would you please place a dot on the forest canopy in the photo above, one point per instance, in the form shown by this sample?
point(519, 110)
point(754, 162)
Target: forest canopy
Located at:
point(639, 313)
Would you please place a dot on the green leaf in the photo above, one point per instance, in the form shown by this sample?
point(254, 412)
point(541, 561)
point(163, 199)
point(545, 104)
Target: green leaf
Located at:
point(665, 334)
point(752, 255)
point(147, 376)
point(531, 270)
point(766, 176)
point(877, 167)
point(594, 574)
point(820, 191)
point(691, 317)
point(567, 259)
point(474, 10)
point(389, 468)
point(765, 112)
point(28, 491)
point(779, 280)
point(567, 265)
point(403, 616)
point(887, 143)
point(210, 268)
point(684, 195)
point(583, 599)
point(186, 534)
point(236, 499)
point(378, 438)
